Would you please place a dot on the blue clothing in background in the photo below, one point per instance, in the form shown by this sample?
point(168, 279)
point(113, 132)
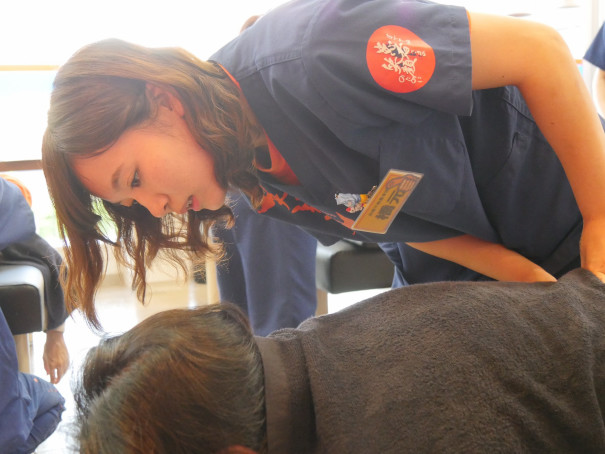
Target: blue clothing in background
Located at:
point(30, 407)
point(16, 217)
point(269, 269)
point(596, 52)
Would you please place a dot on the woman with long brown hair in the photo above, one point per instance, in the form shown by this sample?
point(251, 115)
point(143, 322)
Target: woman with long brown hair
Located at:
point(504, 148)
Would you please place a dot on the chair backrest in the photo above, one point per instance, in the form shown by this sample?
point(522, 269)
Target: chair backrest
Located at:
point(22, 298)
point(348, 266)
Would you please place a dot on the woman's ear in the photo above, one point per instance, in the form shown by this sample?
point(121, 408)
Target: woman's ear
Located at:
point(165, 96)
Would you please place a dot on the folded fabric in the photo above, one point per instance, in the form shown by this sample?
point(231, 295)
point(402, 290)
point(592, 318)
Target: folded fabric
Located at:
point(39, 253)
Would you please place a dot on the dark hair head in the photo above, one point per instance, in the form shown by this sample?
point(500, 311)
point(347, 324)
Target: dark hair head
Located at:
point(99, 94)
point(182, 381)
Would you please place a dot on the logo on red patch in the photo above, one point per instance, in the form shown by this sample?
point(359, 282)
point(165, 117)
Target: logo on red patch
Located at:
point(399, 60)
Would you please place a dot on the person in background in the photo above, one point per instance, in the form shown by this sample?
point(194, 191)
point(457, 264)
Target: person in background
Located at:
point(36, 251)
point(30, 407)
point(269, 265)
point(596, 55)
point(436, 368)
point(501, 152)
point(268, 270)
point(16, 219)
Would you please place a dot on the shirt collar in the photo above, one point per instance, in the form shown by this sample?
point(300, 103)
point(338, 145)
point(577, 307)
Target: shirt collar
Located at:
point(288, 400)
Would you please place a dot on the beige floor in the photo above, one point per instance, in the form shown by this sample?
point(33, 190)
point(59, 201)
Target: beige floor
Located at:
point(118, 311)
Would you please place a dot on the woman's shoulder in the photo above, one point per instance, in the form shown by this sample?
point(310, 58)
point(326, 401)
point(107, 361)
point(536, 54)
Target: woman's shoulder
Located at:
point(387, 51)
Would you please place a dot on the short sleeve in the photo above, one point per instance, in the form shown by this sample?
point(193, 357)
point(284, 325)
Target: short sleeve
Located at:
point(596, 52)
point(366, 57)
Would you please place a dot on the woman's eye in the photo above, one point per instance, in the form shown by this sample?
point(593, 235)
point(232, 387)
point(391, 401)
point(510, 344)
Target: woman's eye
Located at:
point(136, 182)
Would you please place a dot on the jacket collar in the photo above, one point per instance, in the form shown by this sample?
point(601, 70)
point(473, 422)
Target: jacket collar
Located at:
point(288, 400)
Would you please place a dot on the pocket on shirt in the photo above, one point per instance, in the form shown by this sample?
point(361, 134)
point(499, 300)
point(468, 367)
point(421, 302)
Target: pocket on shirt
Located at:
point(442, 163)
point(529, 200)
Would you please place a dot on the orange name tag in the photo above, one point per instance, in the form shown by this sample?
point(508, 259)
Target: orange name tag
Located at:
point(385, 203)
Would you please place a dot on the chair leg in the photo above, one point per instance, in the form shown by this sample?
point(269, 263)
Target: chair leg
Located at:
point(322, 302)
point(25, 347)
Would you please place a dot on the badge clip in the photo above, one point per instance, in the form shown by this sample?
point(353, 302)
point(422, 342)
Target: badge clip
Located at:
point(384, 202)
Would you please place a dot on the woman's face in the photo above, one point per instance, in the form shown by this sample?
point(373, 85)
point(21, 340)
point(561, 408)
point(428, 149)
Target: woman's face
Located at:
point(159, 166)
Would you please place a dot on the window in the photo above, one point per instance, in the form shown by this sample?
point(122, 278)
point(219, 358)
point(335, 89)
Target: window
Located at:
point(35, 44)
point(570, 17)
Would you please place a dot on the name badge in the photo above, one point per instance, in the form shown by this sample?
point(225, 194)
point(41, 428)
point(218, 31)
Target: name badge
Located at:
point(384, 204)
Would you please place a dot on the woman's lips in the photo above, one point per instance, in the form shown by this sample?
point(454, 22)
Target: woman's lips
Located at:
point(195, 204)
point(192, 204)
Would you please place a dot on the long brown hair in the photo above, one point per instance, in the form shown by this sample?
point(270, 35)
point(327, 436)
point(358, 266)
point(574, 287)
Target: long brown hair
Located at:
point(182, 381)
point(98, 95)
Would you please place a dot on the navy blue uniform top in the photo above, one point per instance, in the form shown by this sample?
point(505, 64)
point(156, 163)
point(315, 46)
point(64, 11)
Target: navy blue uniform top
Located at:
point(596, 52)
point(348, 89)
point(16, 217)
point(16, 407)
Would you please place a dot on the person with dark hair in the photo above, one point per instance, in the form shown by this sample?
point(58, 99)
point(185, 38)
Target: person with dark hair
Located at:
point(446, 367)
point(492, 160)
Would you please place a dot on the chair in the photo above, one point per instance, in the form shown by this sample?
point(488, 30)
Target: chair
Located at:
point(345, 266)
point(348, 266)
point(22, 302)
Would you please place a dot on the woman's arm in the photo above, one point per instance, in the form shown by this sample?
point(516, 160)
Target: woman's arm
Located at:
point(490, 259)
point(534, 57)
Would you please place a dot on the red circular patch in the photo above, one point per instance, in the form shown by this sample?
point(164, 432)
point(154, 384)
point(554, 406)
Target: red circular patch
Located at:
point(399, 60)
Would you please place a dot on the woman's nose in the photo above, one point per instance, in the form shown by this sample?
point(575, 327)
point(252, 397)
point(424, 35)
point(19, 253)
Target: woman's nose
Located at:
point(157, 204)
